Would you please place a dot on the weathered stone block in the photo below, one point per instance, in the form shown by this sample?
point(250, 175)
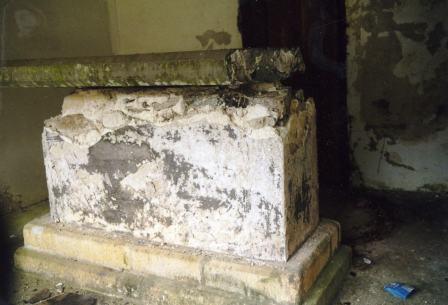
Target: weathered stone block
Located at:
point(224, 170)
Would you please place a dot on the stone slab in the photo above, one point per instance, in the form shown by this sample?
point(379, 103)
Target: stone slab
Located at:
point(196, 68)
point(283, 283)
point(188, 167)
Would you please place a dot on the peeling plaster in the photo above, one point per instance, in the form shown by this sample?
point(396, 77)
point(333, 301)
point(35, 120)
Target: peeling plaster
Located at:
point(397, 80)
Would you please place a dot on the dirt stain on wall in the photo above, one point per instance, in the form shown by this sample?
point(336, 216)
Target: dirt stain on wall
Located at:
point(397, 80)
point(210, 37)
point(402, 87)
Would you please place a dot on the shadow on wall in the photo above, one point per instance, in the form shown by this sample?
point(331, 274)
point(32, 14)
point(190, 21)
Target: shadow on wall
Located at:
point(39, 29)
point(22, 175)
point(36, 29)
point(318, 28)
point(6, 266)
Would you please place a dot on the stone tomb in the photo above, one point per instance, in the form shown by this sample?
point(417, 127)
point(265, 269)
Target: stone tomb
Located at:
point(186, 195)
point(221, 170)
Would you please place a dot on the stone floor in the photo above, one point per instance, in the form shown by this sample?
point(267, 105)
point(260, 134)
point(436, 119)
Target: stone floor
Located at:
point(28, 285)
point(404, 242)
point(415, 254)
point(391, 243)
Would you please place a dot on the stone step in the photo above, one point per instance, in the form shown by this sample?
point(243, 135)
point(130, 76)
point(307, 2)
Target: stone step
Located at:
point(196, 68)
point(327, 285)
point(99, 260)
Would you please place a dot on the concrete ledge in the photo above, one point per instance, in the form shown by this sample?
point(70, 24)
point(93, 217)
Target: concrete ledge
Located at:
point(65, 251)
point(219, 67)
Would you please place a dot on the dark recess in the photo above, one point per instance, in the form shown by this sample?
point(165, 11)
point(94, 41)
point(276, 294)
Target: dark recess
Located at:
point(318, 28)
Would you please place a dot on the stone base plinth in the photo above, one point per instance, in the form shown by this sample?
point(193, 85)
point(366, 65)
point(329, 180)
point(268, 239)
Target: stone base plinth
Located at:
point(123, 266)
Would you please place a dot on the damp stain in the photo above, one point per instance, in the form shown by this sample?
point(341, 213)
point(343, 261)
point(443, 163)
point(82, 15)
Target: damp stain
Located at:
point(205, 202)
point(272, 216)
point(394, 159)
point(395, 95)
point(231, 132)
point(210, 38)
point(303, 202)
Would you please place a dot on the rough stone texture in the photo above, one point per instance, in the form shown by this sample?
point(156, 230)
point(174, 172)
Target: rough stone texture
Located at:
point(397, 79)
point(188, 167)
point(220, 67)
point(51, 249)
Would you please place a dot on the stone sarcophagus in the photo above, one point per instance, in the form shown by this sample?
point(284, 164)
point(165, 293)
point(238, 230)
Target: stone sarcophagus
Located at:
point(200, 194)
point(217, 169)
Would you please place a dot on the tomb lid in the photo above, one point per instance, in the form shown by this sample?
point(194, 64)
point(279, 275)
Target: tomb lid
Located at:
point(198, 68)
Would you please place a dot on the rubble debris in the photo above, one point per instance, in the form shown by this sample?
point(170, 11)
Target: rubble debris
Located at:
point(361, 261)
point(367, 261)
point(60, 287)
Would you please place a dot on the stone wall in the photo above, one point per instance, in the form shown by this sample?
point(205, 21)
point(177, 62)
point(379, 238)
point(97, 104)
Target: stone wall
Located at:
point(397, 94)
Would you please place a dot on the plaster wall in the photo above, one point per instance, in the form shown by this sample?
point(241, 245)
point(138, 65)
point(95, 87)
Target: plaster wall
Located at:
point(39, 29)
point(141, 26)
point(397, 80)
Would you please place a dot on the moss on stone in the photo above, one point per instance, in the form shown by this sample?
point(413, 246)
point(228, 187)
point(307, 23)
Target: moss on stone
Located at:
point(220, 67)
